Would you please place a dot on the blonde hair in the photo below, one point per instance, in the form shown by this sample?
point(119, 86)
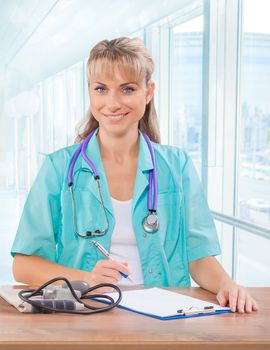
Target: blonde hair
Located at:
point(134, 58)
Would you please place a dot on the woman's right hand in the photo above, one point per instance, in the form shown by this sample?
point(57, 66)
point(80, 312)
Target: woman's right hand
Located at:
point(107, 271)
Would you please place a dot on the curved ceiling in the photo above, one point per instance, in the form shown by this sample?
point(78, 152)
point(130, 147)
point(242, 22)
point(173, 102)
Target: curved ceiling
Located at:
point(39, 38)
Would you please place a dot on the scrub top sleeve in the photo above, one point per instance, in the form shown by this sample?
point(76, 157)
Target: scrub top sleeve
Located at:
point(201, 235)
point(40, 221)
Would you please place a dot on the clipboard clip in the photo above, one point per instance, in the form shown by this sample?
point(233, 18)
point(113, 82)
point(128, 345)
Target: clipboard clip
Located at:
point(193, 310)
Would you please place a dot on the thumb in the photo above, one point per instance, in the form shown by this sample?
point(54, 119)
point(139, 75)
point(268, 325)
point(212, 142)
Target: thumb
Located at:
point(221, 298)
point(125, 263)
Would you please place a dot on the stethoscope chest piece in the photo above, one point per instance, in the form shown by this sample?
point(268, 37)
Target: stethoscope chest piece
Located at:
point(151, 223)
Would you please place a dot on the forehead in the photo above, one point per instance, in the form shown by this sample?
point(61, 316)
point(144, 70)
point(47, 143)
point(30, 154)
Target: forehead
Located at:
point(118, 72)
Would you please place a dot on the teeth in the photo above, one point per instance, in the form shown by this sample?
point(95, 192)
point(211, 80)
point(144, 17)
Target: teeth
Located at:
point(116, 116)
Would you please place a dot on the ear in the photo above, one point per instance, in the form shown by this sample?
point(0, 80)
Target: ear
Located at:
point(150, 91)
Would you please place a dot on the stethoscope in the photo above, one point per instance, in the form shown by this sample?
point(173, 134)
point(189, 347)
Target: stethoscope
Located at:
point(150, 223)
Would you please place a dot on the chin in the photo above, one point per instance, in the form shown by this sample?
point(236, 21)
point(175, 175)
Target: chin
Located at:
point(118, 130)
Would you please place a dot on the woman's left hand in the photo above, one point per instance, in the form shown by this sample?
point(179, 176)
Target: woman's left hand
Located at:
point(236, 296)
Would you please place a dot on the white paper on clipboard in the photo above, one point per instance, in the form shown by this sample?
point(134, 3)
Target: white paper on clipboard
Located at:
point(163, 303)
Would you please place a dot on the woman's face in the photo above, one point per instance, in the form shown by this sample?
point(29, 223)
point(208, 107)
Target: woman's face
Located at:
point(118, 103)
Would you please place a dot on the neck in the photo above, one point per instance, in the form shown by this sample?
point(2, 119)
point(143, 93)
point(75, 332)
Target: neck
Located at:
point(118, 147)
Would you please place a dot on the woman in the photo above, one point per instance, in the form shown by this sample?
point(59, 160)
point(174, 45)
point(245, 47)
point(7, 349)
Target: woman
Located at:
point(184, 241)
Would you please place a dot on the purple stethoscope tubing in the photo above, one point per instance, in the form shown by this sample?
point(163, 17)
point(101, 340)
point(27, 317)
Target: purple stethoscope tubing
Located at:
point(152, 175)
point(81, 149)
point(152, 178)
point(150, 223)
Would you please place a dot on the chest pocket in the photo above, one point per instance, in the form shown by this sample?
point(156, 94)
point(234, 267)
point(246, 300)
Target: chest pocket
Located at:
point(89, 211)
point(169, 211)
point(82, 178)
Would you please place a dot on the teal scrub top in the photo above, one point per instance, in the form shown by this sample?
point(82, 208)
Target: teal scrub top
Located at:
point(186, 231)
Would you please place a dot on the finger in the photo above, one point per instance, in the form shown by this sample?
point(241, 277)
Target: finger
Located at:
point(107, 272)
point(100, 274)
point(233, 298)
point(98, 278)
point(254, 305)
point(248, 306)
point(125, 264)
point(221, 298)
point(116, 265)
point(241, 300)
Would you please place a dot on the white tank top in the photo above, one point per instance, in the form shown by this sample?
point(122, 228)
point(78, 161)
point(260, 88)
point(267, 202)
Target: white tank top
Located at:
point(123, 242)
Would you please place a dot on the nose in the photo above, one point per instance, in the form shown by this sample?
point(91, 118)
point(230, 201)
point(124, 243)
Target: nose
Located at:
point(113, 103)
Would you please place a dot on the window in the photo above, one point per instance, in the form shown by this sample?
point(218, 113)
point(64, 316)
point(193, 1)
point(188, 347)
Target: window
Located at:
point(186, 87)
point(254, 148)
point(61, 106)
point(252, 268)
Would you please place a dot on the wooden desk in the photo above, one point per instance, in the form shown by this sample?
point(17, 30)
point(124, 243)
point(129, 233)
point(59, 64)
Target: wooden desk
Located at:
point(120, 329)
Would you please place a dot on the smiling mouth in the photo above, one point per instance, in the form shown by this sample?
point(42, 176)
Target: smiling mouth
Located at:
point(116, 116)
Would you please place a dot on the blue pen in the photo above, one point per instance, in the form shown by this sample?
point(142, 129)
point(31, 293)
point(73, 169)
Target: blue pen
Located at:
point(104, 252)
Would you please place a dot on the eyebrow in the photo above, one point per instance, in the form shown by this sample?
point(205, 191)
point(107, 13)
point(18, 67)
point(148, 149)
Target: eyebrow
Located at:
point(129, 82)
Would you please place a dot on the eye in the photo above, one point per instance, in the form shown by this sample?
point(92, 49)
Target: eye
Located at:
point(100, 89)
point(128, 89)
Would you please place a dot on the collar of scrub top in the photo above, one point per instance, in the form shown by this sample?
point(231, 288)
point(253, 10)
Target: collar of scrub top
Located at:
point(143, 164)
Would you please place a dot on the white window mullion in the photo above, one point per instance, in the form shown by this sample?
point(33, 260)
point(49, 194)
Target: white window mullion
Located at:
point(164, 83)
point(223, 17)
point(231, 84)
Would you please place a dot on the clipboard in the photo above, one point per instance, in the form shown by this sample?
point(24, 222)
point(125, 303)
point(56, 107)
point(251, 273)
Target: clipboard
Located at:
point(167, 305)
